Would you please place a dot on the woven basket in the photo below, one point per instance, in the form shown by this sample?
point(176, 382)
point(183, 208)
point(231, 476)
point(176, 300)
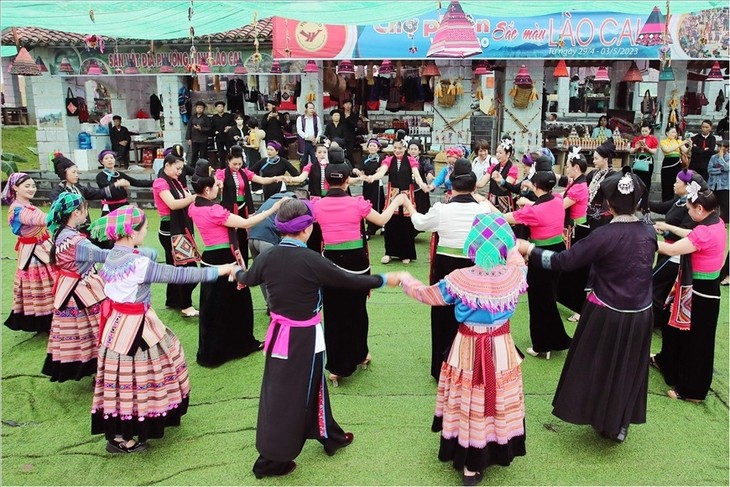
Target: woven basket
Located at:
point(522, 97)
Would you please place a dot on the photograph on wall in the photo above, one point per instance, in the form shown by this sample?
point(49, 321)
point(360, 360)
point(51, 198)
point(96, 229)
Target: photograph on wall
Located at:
point(50, 119)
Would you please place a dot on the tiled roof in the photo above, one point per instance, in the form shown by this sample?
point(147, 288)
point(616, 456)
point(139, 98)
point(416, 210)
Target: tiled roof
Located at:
point(33, 36)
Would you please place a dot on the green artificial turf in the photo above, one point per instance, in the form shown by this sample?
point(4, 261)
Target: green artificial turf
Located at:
point(46, 426)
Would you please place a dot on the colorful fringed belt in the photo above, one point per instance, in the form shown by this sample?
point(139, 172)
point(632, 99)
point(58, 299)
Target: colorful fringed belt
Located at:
point(484, 373)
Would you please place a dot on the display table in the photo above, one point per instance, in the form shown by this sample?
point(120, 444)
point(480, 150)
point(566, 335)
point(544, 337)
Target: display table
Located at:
point(139, 147)
point(621, 159)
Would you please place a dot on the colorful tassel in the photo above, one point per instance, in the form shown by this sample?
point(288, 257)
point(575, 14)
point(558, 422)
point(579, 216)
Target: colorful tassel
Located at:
point(459, 88)
point(533, 95)
point(439, 92)
point(513, 91)
point(451, 90)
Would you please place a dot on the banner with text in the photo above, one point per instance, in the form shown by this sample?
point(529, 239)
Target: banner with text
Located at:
point(589, 35)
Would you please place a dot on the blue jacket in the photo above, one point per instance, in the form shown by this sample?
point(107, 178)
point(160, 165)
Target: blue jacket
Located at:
point(266, 230)
point(719, 172)
point(443, 179)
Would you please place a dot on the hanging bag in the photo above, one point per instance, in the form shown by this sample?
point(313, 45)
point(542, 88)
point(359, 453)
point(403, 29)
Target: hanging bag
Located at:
point(642, 162)
point(83, 110)
point(72, 104)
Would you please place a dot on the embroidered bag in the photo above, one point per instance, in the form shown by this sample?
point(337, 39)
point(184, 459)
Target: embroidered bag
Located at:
point(72, 104)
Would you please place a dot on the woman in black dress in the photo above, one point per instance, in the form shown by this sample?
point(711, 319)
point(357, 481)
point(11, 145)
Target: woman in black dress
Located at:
point(108, 176)
point(272, 167)
point(226, 312)
point(295, 404)
point(400, 235)
point(421, 198)
point(372, 191)
point(676, 214)
point(604, 381)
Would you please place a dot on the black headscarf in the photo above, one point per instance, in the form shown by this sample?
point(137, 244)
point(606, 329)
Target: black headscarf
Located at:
point(60, 164)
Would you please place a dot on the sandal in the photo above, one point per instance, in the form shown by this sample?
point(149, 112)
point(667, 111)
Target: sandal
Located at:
point(364, 364)
point(121, 446)
point(190, 313)
point(675, 395)
point(653, 362)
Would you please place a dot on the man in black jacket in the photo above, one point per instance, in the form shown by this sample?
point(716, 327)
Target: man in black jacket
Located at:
point(221, 122)
point(197, 134)
point(271, 124)
point(121, 140)
point(703, 147)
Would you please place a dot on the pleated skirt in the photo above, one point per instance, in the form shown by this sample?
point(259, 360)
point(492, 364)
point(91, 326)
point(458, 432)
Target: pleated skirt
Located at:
point(141, 394)
point(72, 343)
point(32, 294)
point(468, 436)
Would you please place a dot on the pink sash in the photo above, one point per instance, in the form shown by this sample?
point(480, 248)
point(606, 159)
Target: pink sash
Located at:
point(281, 343)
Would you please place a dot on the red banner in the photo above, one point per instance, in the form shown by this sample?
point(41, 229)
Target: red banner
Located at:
point(310, 40)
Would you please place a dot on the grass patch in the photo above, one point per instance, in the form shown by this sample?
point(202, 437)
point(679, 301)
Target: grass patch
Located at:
point(16, 140)
point(389, 407)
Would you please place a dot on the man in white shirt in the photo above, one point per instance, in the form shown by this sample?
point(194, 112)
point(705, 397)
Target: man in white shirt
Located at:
point(309, 129)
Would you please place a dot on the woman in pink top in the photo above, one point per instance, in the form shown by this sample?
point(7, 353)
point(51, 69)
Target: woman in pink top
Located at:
point(170, 195)
point(688, 342)
point(571, 286)
point(345, 311)
point(236, 191)
point(226, 312)
point(545, 218)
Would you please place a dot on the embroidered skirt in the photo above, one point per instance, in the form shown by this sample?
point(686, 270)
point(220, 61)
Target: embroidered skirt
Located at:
point(469, 436)
point(140, 394)
point(72, 344)
point(32, 291)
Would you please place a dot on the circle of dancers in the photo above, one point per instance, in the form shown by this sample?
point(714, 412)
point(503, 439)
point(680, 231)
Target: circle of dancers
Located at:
point(495, 237)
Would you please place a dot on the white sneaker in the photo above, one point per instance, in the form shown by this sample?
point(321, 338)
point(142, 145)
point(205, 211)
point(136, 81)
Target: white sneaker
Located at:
point(406, 261)
point(385, 259)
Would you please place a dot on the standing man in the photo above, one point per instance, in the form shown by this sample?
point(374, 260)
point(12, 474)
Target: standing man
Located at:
point(221, 123)
point(349, 122)
point(120, 139)
point(197, 133)
point(309, 129)
point(271, 124)
point(703, 147)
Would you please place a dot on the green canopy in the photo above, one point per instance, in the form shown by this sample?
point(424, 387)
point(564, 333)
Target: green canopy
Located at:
point(157, 20)
point(6, 51)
